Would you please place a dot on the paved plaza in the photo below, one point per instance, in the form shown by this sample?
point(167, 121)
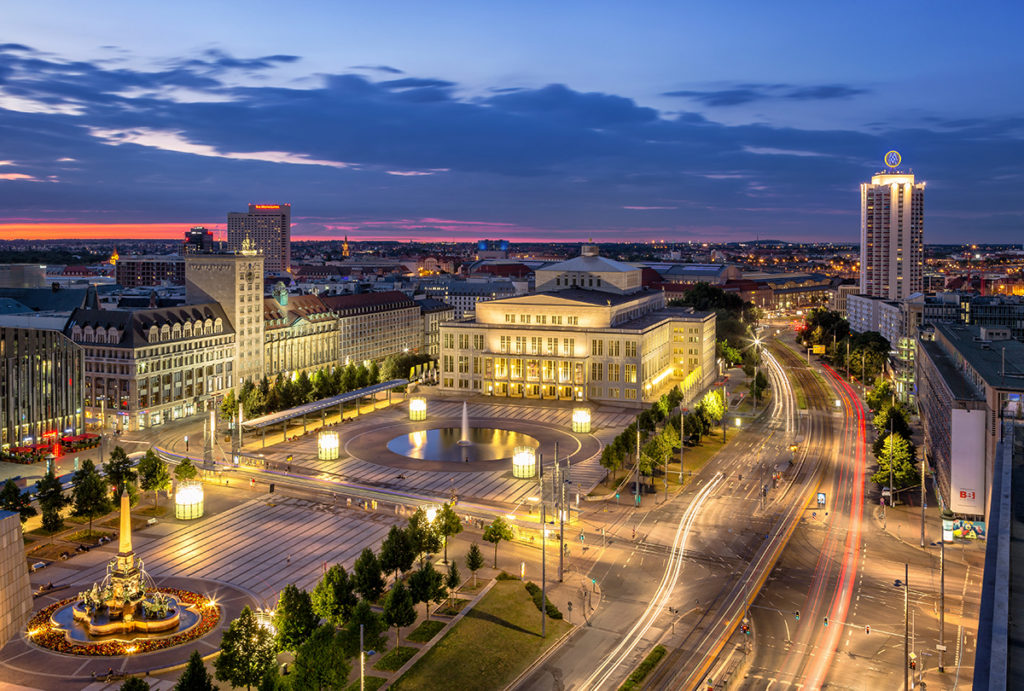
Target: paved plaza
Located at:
point(367, 461)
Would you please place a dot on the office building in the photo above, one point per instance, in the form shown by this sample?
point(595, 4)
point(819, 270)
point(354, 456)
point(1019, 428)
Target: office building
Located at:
point(41, 384)
point(372, 326)
point(269, 227)
point(464, 295)
point(136, 271)
point(891, 234)
point(144, 368)
point(300, 334)
point(233, 280)
point(435, 313)
point(968, 379)
point(592, 334)
point(197, 239)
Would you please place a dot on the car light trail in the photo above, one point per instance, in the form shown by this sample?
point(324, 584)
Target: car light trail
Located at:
point(630, 641)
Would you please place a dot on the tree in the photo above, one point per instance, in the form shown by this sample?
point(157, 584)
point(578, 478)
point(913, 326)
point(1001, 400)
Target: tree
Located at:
point(426, 585)
point(271, 681)
point(395, 552)
point(374, 373)
point(452, 580)
point(229, 406)
point(496, 532)
point(475, 559)
point(120, 474)
point(247, 651)
point(881, 394)
point(362, 377)
point(366, 575)
point(399, 608)
point(185, 470)
point(13, 499)
point(334, 596)
point(51, 501)
point(348, 378)
point(904, 469)
point(759, 385)
point(89, 493)
point(898, 414)
point(448, 525)
point(424, 537)
point(195, 677)
point(153, 475)
point(320, 662)
point(714, 403)
point(294, 618)
point(134, 684)
point(373, 630)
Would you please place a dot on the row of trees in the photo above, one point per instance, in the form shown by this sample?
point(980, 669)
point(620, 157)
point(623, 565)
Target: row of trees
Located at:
point(892, 447)
point(660, 448)
point(93, 493)
point(864, 354)
point(282, 393)
point(322, 628)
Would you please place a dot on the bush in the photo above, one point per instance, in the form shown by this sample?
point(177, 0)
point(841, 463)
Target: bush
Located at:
point(536, 594)
point(503, 576)
point(644, 668)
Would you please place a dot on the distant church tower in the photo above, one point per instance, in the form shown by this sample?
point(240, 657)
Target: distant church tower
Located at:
point(344, 248)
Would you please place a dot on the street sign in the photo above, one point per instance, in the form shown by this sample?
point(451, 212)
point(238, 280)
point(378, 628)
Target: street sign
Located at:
point(821, 498)
point(818, 350)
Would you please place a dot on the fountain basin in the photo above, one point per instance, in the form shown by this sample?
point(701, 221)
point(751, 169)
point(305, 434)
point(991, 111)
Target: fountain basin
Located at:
point(443, 444)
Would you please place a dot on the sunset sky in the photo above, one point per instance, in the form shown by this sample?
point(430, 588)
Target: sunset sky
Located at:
point(533, 120)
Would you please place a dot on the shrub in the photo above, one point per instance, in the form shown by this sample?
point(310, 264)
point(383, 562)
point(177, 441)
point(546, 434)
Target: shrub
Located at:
point(644, 668)
point(536, 594)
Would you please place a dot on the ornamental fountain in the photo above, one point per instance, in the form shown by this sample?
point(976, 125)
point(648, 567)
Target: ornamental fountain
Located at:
point(465, 442)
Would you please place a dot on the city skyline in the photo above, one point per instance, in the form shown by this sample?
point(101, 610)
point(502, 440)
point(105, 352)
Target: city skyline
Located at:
point(615, 122)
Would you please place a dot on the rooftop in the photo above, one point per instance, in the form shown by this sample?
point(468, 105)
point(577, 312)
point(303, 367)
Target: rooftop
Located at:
point(999, 363)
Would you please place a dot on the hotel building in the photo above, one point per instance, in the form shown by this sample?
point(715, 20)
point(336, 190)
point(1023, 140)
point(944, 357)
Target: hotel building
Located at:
point(269, 227)
point(891, 236)
point(590, 333)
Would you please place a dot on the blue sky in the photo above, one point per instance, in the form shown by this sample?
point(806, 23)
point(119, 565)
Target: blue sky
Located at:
point(677, 121)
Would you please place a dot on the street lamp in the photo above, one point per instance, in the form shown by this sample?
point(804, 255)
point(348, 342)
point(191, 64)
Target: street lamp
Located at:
point(186, 443)
point(757, 354)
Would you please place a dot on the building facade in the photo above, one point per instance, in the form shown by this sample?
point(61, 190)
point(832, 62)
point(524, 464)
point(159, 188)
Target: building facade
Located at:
point(197, 239)
point(300, 332)
point(269, 227)
point(435, 313)
point(144, 368)
point(372, 326)
point(41, 386)
point(15, 589)
point(616, 343)
point(968, 379)
point(463, 296)
point(891, 236)
point(234, 280)
point(149, 270)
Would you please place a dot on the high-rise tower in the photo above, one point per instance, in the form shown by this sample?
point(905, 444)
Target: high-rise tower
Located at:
point(269, 226)
point(891, 233)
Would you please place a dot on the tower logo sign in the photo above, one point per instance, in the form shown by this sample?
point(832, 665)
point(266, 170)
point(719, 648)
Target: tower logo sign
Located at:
point(892, 159)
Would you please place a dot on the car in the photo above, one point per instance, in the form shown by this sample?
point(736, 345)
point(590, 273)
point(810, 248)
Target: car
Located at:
point(38, 565)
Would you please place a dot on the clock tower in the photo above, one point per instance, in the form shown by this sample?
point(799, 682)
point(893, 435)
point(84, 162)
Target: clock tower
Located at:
point(235, 280)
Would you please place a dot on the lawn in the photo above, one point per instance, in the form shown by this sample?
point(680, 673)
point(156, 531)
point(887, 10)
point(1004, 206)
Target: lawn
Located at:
point(395, 658)
point(425, 631)
point(371, 683)
point(492, 644)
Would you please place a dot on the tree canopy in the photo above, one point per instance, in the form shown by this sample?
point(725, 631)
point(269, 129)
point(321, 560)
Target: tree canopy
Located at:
point(334, 596)
point(294, 618)
point(13, 499)
point(247, 651)
point(153, 474)
point(320, 662)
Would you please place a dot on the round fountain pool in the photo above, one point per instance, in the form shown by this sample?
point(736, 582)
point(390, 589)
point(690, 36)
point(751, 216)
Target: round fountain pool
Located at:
point(487, 444)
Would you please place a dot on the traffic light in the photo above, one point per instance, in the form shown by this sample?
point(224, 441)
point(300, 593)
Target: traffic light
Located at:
point(867, 629)
point(797, 614)
point(271, 489)
point(745, 629)
point(581, 535)
point(826, 621)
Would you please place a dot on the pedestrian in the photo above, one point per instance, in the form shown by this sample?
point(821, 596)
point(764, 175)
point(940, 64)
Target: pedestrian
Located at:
point(289, 559)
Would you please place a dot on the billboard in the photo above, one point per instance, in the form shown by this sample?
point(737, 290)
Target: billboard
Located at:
point(962, 529)
point(818, 349)
point(967, 462)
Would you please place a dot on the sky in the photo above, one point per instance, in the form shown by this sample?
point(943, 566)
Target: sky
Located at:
point(522, 120)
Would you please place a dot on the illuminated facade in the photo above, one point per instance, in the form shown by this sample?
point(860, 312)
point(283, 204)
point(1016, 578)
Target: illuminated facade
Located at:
point(891, 236)
point(41, 386)
point(614, 343)
point(300, 334)
point(234, 280)
point(147, 367)
point(372, 326)
point(269, 227)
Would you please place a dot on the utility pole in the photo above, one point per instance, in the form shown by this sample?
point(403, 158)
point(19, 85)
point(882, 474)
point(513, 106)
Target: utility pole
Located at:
point(847, 359)
point(636, 465)
point(924, 497)
point(892, 488)
point(560, 493)
point(942, 601)
point(682, 440)
point(906, 627)
point(543, 552)
point(362, 661)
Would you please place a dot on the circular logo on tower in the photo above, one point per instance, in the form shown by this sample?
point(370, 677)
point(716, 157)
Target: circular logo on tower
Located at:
point(892, 159)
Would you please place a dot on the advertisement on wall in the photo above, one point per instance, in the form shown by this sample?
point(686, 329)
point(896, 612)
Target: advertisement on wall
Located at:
point(967, 462)
point(962, 529)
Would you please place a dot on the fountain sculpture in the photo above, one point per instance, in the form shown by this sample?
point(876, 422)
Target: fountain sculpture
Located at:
point(465, 442)
point(125, 601)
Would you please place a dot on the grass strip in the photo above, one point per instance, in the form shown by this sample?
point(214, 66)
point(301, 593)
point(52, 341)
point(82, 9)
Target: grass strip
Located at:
point(395, 658)
point(644, 668)
point(492, 644)
point(425, 631)
point(372, 683)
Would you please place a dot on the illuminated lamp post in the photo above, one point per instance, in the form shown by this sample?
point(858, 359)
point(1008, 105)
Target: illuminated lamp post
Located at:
point(417, 409)
point(581, 420)
point(524, 462)
point(327, 444)
point(188, 500)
